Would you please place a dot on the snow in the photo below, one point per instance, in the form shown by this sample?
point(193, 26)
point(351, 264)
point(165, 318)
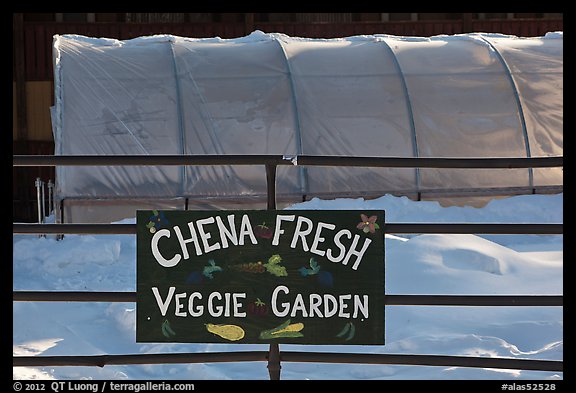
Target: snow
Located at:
point(554, 35)
point(258, 36)
point(415, 264)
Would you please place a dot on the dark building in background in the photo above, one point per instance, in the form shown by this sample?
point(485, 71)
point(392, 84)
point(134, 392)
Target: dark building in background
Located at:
point(32, 73)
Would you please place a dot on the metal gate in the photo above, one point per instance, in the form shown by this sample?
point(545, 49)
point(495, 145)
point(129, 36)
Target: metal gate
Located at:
point(274, 356)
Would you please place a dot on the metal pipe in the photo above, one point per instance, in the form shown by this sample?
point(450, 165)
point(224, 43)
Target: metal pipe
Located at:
point(74, 296)
point(510, 75)
point(475, 300)
point(50, 199)
point(409, 111)
point(423, 360)
point(389, 300)
point(291, 356)
point(60, 236)
point(270, 187)
point(403, 228)
point(474, 228)
point(79, 229)
point(274, 365)
point(155, 358)
point(302, 172)
point(43, 204)
point(37, 183)
point(235, 159)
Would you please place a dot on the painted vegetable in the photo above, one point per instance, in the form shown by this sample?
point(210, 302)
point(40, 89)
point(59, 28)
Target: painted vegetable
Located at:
point(227, 332)
point(347, 332)
point(250, 267)
point(167, 329)
point(273, 267)
point(258, 308)
point(263, 231)
point(282, 331)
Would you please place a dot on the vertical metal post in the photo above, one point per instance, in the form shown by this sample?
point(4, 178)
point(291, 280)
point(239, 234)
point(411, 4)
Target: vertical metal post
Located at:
point(50, 193)
point(274, 351)
point(40, 204)
point(61, 210)
point(274, 362)
point(43, 204)
point(37, 183)
point(271, 186)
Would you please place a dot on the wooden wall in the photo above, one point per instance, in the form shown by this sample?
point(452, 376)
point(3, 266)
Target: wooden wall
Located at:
point(39, 99)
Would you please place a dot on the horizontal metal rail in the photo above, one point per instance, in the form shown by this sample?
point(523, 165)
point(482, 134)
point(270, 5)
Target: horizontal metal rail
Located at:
point(235, 159)
point(290, 356)
point(474, 228)
point(422, 360)
point(155, 358)
point(390, 300)
point(74, 296)
point(398, 228)
point(474, 300)
point(77, 229)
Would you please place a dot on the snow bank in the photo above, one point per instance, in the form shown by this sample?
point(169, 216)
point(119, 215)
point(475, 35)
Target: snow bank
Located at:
point(424, 264)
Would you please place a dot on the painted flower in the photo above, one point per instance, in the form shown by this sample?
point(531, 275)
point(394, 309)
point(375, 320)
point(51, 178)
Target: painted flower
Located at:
point(156, 221)
point(368, 224)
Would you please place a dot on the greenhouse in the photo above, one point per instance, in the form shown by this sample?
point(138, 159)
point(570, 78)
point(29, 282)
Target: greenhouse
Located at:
point(467, 95)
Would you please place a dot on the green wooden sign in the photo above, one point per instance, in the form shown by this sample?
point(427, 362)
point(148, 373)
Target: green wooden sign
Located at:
point(260, 276)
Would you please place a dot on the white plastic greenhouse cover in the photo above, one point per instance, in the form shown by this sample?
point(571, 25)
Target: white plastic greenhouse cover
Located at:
point(468, 95)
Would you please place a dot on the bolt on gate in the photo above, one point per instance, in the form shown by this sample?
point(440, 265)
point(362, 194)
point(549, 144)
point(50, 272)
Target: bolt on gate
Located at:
point(274, 356)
